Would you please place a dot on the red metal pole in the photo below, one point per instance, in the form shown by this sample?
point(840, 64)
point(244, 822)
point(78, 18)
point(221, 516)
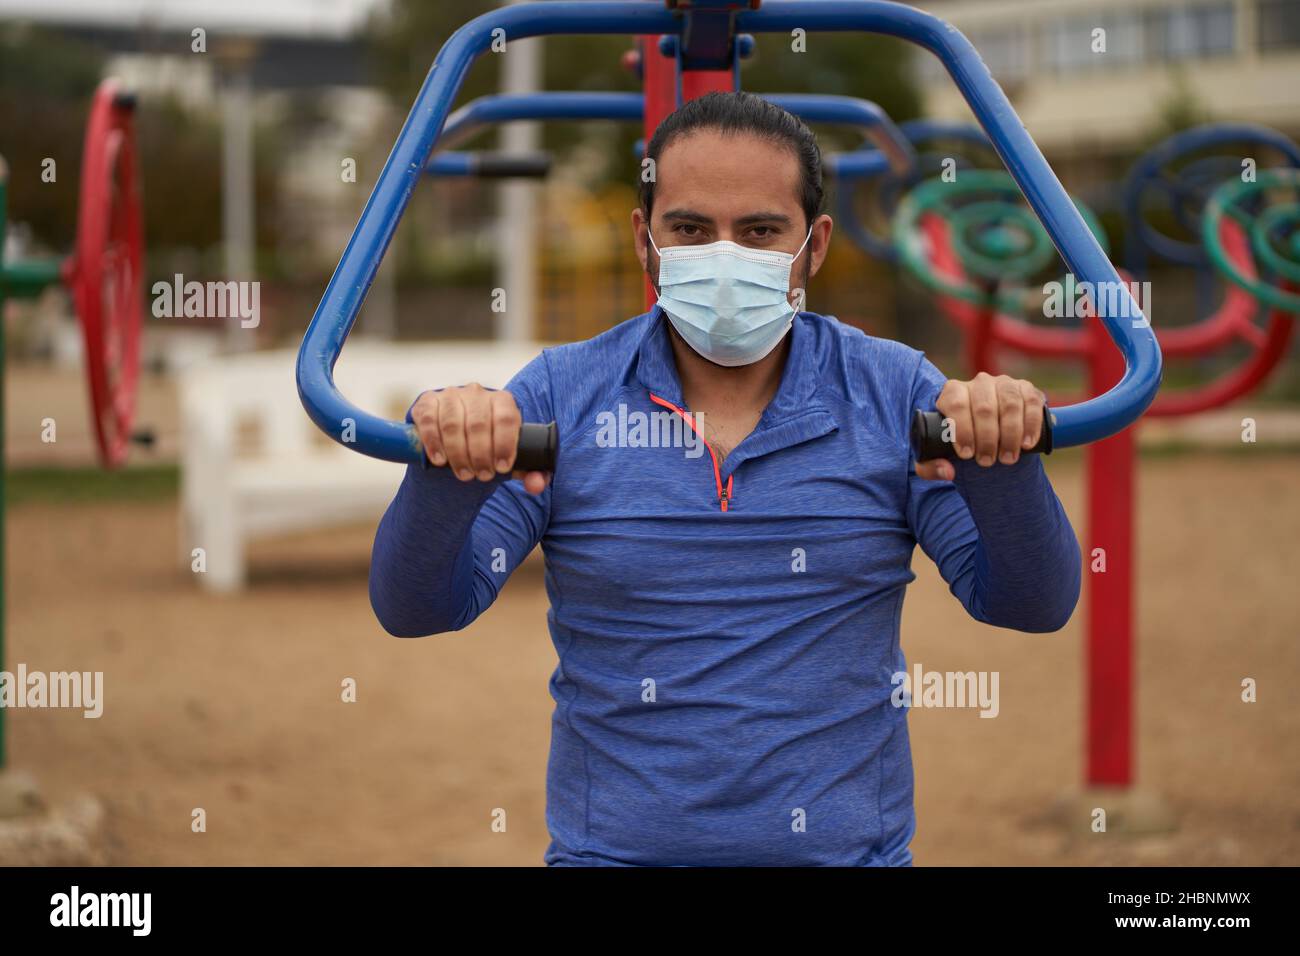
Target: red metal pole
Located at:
point(659, 76)
point(1110, 468)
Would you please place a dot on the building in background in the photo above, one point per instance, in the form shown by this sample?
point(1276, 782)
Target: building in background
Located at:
point(1203, 59)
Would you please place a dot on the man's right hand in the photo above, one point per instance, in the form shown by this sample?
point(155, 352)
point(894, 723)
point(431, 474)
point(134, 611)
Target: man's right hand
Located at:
point(475, 432)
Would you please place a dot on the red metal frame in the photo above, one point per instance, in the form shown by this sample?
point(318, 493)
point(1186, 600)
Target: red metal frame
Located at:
point(107, 268)
point(1110, 463)
point(659, 80)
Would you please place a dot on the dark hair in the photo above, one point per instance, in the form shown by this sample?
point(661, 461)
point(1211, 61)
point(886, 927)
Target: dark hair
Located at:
point(743, 113)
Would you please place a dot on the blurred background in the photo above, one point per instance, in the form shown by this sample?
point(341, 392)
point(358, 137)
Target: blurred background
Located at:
point(223, 683)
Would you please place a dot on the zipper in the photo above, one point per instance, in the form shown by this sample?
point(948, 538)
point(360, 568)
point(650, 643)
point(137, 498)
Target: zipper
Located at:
point(724, 494)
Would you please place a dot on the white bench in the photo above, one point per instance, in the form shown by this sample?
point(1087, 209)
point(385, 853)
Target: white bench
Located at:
point(254, 465)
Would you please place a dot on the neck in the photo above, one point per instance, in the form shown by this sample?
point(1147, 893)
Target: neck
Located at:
point(715, 387)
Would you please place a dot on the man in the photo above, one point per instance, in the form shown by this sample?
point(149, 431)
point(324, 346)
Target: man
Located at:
point(727, 624)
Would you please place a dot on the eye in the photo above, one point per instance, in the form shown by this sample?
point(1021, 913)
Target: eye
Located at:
point(762, 233)
point(688, 230)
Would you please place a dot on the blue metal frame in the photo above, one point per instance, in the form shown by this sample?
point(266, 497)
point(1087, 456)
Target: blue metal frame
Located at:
point(851, 111)
point(925, 130)
point(338, 309)
point(454, 164)
point(505, 107)
point(893, 149)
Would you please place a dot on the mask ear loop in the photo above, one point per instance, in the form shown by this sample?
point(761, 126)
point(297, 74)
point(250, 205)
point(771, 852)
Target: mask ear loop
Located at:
point(802, 299)
point(801, 247)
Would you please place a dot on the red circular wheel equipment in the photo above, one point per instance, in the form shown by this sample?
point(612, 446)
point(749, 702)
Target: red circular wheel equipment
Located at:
point(106, 270)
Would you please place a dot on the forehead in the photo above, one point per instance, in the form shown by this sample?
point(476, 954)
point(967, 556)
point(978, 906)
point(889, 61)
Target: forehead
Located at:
point(727, 175)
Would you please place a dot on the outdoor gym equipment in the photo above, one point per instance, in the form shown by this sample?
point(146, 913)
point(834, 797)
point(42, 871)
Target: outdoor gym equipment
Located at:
point(937, 146)
point(104, 275)
point(538, 444)
point(703, 53)
point(1273, 234)
point(936, 257)
point(891, 148)
point(1180, 173)
point(104, 272)
point(954, 249)
point(490, 165)
point(964, 239)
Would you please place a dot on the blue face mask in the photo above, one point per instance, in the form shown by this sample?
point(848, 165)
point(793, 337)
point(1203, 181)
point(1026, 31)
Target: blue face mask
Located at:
point(730, 303)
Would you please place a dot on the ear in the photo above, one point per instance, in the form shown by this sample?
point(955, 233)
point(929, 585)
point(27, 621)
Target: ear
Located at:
point(640, 232)
point(819, 243)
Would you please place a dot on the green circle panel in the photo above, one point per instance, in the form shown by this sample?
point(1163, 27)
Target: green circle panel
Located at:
point(1286, 216)
point(994, 234)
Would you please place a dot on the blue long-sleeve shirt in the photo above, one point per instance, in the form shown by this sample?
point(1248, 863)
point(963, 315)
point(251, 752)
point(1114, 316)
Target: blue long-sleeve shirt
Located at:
point(723, 691)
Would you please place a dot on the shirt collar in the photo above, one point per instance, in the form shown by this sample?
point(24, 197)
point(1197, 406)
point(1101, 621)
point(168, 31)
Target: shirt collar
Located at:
point(657, 368)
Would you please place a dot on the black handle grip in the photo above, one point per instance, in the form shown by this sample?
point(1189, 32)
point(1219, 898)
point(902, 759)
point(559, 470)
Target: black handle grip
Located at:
point(928, 443)
point(538, 447)
point(511, 166)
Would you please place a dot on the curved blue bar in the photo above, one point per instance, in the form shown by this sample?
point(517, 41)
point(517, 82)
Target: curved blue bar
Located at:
point(892, 148)
point(863, 164)
point(810, 107)
point(451, 164)
point(924, 130)
point(489, 165)
point(851, 111)
point(505, 107)
point(338, 309)
point(859, 164)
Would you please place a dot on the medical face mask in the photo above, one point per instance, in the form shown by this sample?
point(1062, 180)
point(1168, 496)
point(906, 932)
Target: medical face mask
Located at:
point(728, 302)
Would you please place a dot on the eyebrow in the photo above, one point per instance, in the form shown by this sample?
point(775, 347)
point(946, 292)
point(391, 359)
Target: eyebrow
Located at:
point(689, 215)
point(764, 217)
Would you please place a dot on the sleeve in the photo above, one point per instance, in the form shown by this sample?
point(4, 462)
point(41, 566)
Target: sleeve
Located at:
point(999, 535)
point(444, 547)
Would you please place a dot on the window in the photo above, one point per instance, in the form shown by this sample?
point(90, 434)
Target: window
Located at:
point(1199, 30)
point(1075, 43)
point(1003, 52)
point(1279, 24)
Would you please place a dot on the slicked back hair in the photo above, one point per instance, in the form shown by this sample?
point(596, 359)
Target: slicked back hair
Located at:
point(736, 113)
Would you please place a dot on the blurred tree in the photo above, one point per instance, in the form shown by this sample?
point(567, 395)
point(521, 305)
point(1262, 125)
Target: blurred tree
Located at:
point(876, 68)
point(46, 81)
point(1180, 109)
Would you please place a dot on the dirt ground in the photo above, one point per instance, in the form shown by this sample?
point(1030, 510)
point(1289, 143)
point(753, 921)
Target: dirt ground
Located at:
point(233, 704)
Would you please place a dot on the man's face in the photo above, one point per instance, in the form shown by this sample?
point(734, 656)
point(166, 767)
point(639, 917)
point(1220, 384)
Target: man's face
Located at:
point(711, 186)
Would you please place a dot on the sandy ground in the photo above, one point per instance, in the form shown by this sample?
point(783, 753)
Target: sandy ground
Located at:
point(233, 704)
